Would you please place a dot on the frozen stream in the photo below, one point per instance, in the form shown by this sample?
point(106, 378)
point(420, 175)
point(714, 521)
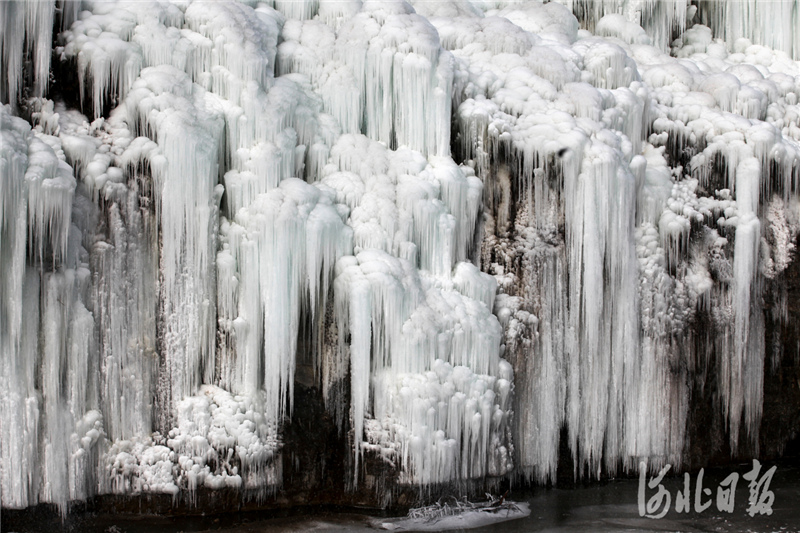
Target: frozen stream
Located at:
point(600, 507)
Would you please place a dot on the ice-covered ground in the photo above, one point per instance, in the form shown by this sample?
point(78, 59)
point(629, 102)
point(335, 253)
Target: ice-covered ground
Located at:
point(493, 221)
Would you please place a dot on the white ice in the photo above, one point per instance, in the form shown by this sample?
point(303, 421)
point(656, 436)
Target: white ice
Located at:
point(254, 170)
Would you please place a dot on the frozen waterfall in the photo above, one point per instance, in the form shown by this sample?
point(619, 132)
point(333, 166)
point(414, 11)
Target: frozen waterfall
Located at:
point(488, 225)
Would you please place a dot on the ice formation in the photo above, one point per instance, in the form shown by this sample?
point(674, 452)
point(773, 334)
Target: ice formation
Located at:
point(493, 220)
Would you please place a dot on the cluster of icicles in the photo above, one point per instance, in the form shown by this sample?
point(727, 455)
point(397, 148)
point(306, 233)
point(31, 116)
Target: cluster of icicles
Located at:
point(265, 169)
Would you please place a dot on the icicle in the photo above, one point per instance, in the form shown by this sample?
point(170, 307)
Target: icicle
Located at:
point(417, 335)
point(51, 186)
point(737, 23)
point(746, 366)
point(298, 9)
point(26, 32)
point(223, 194)
point(271, 293)
point(19, 298)
point(165, 104)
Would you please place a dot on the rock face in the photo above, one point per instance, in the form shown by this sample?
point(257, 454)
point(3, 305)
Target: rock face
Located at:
point(296, 252)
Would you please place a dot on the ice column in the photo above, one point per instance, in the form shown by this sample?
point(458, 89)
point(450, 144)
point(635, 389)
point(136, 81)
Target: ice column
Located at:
point(166, 105)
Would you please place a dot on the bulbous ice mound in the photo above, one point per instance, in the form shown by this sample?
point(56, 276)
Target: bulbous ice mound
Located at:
point(467, 224)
